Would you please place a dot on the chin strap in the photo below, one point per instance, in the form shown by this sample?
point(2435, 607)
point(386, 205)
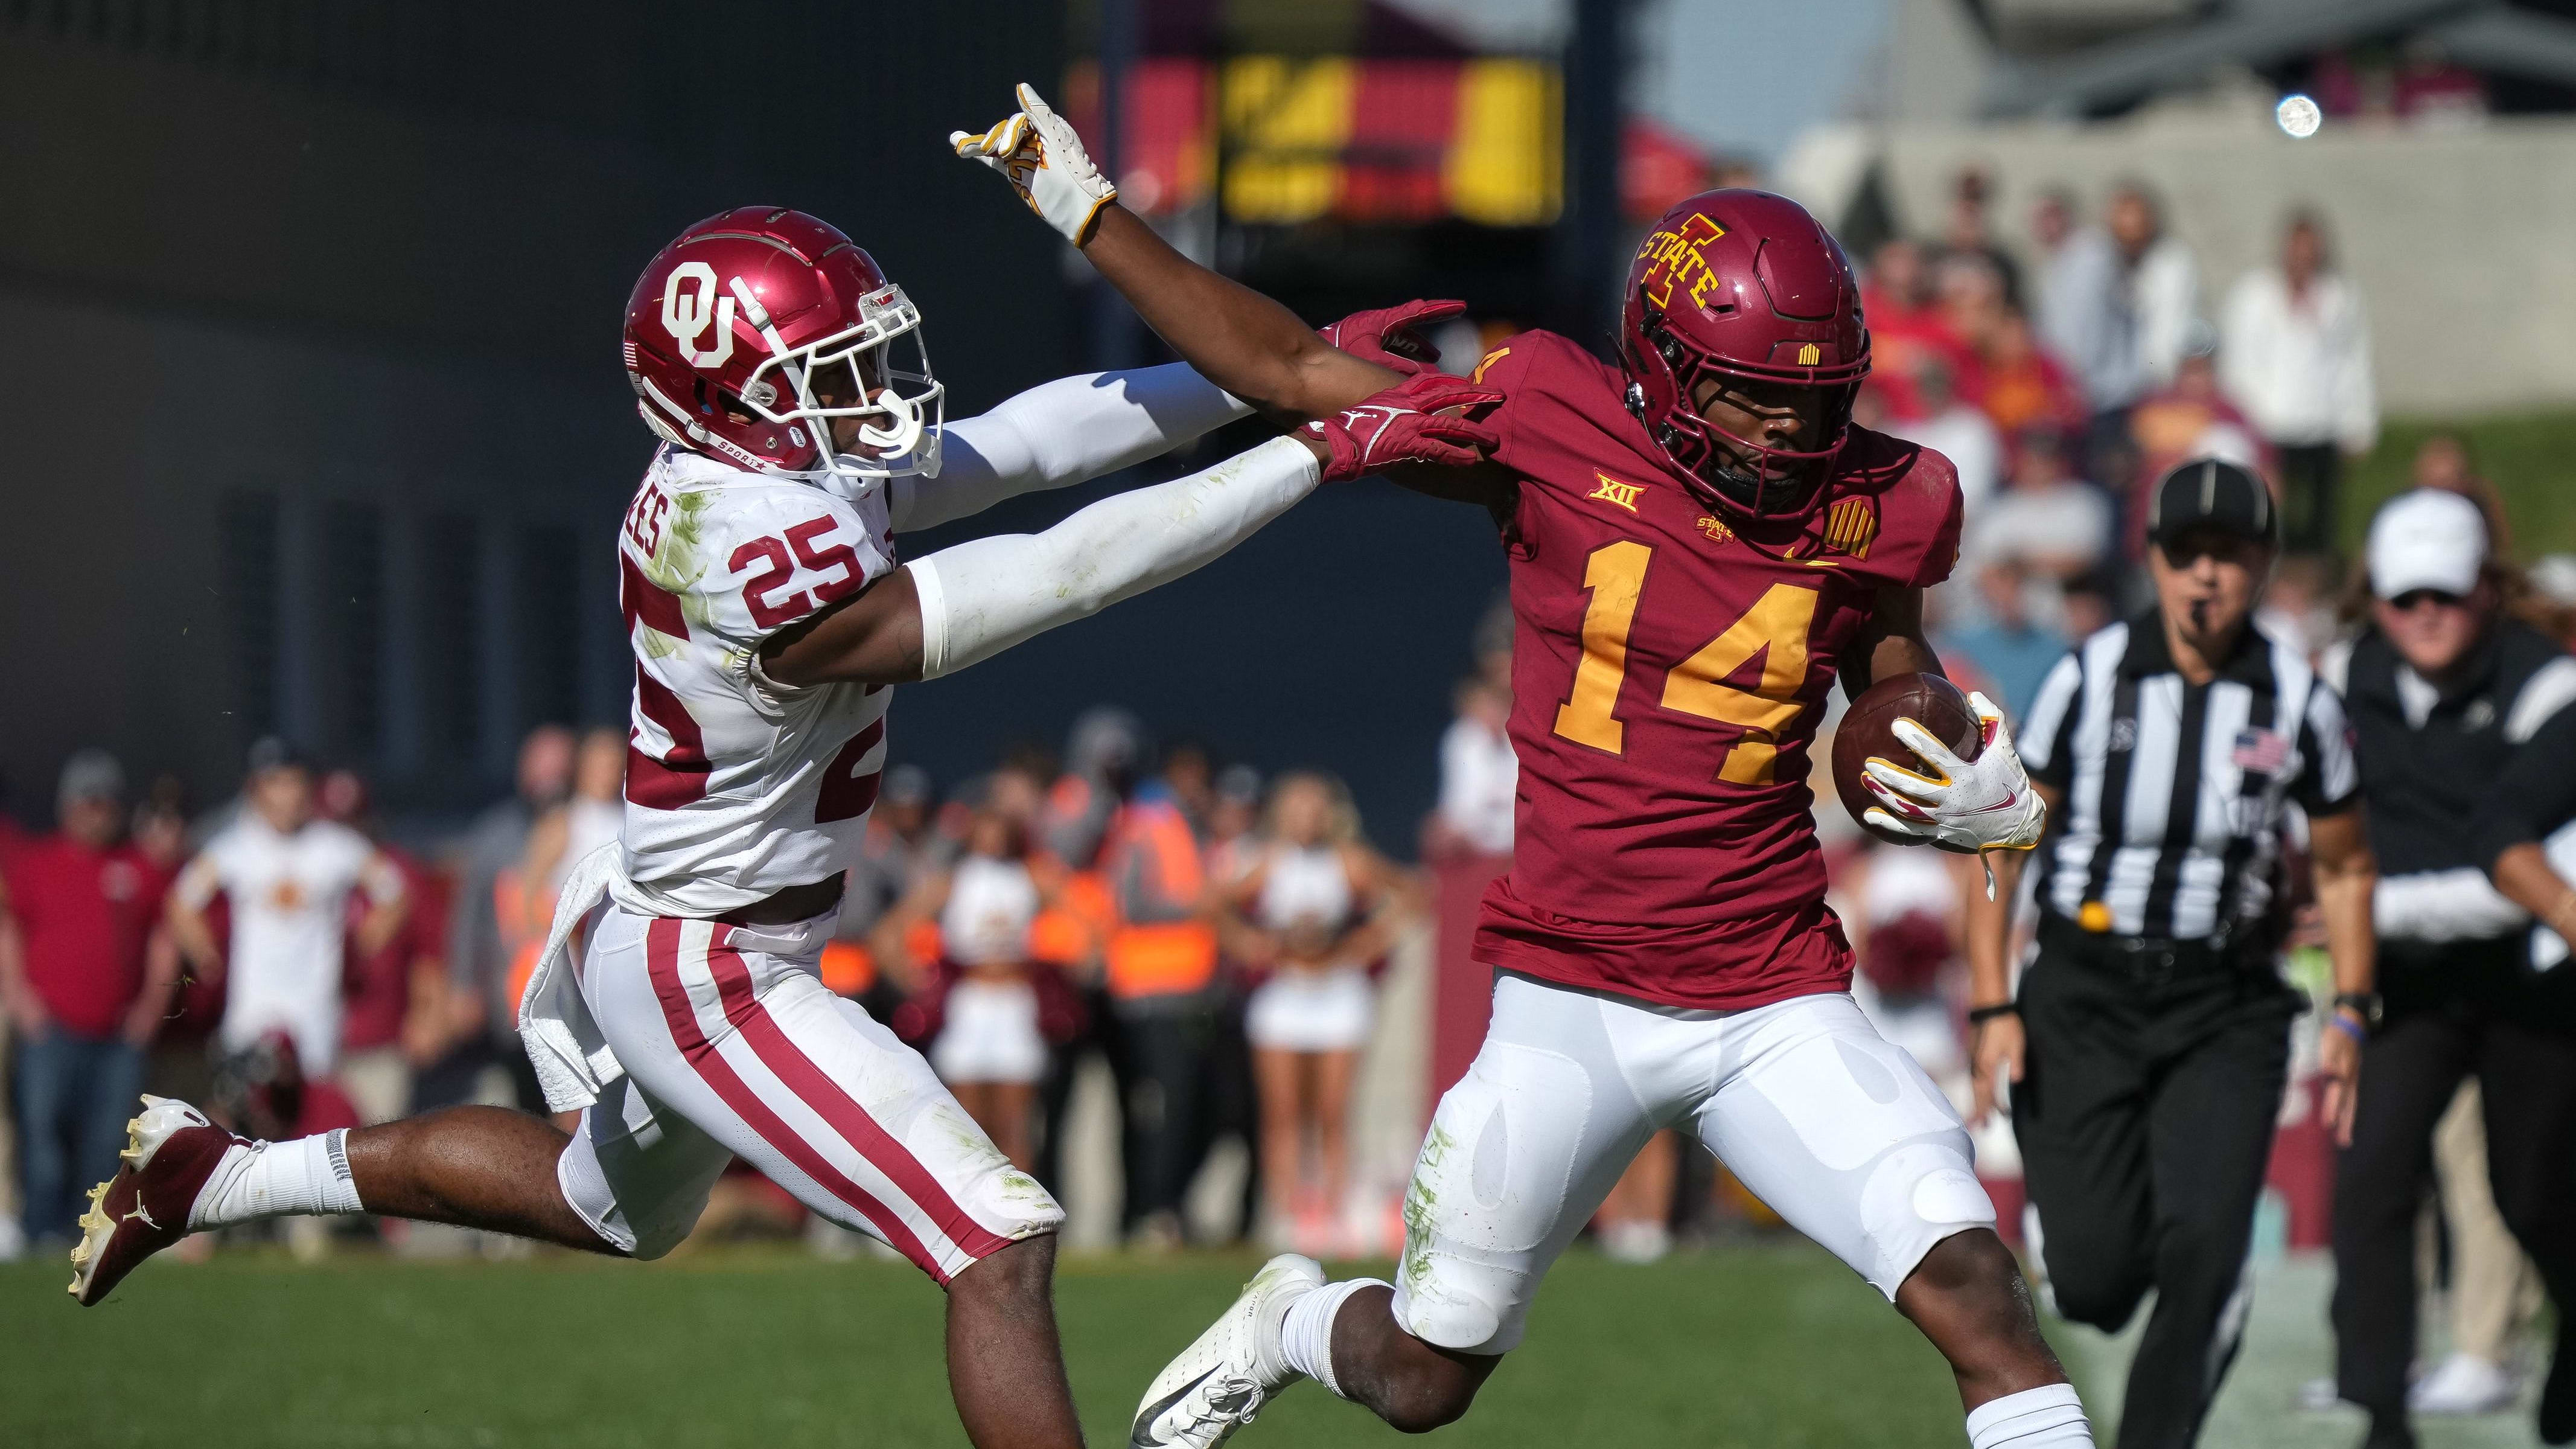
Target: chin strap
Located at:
point(661, 429)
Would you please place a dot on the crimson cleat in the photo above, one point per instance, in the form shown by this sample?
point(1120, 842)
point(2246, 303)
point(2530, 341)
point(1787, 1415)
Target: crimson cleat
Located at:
point(170, 1151)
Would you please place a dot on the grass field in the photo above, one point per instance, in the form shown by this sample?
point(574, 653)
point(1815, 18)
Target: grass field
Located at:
point(1768, 1346)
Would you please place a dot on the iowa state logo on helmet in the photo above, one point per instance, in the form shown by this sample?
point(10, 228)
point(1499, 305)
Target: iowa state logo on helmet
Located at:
point(1676, 261)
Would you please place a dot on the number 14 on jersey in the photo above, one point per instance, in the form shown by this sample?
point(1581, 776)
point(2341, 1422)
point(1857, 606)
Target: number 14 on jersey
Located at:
point(1775, 627)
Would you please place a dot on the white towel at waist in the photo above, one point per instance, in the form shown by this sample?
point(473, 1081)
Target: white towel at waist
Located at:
point(572, 1058)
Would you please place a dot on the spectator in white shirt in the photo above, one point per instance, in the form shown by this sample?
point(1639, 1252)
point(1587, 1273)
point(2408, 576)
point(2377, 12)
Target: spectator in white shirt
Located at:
point(2050, 522)
point(1479, 776)
point(2077, 303)
point(2163, 290)
point(2297, 359)
point(288, 876)
point(1955, 430)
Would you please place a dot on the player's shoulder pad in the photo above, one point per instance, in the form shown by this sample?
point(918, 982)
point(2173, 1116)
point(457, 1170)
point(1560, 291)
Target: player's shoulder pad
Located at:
point(763, 553)
point(1914, 491)
point(717, 516)
point(1529, 356)
point(1904, 474)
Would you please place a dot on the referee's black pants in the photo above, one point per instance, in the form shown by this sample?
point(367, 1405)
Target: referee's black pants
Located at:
point(2451, 1010)
point(2145, 1116)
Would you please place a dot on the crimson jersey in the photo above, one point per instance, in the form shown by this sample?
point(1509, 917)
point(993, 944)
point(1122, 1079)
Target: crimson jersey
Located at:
point(1669, 666)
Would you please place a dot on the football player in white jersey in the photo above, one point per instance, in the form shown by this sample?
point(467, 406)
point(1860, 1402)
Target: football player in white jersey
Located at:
point(679, 1006)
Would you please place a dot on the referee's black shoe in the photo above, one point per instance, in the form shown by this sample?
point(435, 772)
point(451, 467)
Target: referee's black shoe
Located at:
point(2558, 1396)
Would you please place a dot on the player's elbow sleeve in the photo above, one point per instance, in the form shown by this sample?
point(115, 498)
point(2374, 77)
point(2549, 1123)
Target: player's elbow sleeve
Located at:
point(931, 597)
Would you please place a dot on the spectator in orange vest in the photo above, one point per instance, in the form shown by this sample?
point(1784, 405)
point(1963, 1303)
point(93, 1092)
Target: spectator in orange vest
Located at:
point(486, 1020)
point(1161, 975)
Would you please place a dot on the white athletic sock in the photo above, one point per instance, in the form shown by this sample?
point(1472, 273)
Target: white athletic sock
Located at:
point(2047, 1417)
point(309, 1175)
point(1306, 1336)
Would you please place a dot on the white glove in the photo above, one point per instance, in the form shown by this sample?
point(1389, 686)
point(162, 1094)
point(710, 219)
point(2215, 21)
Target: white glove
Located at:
point(1037, 151)
point(1963, 805)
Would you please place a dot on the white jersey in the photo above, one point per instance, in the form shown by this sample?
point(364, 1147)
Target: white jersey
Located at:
point(991, 905)
point(1305, 888)
point(738, 787)
point(290, 895)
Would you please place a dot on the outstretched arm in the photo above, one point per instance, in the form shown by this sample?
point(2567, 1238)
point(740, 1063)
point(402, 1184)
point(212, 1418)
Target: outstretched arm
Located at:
point(1060, 433)
point(939, 614)
point(949, 609)
point(1241, 340)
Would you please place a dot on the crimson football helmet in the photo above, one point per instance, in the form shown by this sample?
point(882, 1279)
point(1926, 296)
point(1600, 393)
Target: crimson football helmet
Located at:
point(733, 325)
point(1744, 286)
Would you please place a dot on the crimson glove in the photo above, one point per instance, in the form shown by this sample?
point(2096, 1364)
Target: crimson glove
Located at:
point(1390, 336)
point(1414, 421)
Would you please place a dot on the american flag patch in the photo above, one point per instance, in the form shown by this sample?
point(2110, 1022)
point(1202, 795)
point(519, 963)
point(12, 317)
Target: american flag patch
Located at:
point(2263, 752)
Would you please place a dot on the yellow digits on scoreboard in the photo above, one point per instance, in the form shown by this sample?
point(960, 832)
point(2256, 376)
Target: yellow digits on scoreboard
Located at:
point(1776, 627)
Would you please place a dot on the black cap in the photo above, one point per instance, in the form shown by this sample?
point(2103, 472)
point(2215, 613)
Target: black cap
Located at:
point(2213, 493)
point(270, 752)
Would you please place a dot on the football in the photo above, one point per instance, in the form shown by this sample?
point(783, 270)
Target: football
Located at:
point(1869, 728)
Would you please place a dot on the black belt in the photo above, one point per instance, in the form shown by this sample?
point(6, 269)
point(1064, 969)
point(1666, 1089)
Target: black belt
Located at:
point(796, 903)
point(2159, 956)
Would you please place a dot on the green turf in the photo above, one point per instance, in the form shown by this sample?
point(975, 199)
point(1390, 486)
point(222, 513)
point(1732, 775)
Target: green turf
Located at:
point(1770, 1346)
point(2530, 457)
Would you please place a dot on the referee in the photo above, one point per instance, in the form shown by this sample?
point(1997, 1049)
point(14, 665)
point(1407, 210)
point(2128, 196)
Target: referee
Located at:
point(2149, 1042)
point(2466, 719)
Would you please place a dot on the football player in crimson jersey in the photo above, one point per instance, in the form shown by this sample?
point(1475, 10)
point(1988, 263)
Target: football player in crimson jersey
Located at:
point(1700, 543)
point(679, 1006)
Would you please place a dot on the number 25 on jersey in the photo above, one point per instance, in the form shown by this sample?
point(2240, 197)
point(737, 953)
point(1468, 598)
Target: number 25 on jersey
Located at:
point(1775, 627)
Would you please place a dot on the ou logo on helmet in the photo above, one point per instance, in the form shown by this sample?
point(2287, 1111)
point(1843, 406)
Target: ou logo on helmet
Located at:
point(687, 311)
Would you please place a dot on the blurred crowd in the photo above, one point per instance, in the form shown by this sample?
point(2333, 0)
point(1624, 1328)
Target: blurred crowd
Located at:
point(2066, 371)
point(1212, 936)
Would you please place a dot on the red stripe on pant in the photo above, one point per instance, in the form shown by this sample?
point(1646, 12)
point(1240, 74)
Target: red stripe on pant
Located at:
point(836, 1106)
point(662, 963)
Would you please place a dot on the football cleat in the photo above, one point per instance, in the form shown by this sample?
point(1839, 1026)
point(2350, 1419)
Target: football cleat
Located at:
point(170, 1151)
point(1220, 1382)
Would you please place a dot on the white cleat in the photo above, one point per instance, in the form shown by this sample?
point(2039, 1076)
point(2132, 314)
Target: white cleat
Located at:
point(1220, 1382)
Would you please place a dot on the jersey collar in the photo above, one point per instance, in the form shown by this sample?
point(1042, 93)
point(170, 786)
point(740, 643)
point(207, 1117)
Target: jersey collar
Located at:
point(2249, 663)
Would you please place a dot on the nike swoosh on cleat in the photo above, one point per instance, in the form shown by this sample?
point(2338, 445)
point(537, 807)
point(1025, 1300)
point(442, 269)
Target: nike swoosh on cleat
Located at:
point(1145, 1419)
point(1158, 1409)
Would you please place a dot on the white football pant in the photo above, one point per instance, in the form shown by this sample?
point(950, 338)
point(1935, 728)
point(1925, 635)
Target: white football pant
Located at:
point(1838, 1131)
point(732, 1046)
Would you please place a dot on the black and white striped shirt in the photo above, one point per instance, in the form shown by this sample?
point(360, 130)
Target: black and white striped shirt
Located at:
point(2185, 782)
